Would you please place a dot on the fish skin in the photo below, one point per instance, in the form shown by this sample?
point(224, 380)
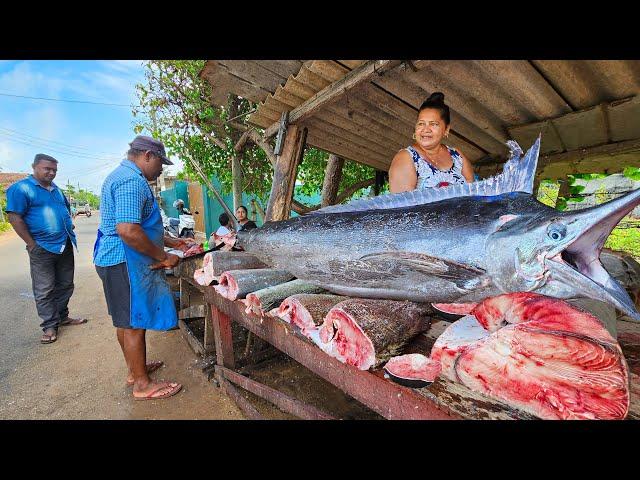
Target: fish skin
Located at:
point(457, 250)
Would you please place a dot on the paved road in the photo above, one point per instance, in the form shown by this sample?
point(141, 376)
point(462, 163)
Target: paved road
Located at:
point(19, 322)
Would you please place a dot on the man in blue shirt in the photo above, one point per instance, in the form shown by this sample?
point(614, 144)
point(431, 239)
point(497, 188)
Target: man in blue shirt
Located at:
point(130, 260)
point(40, 214)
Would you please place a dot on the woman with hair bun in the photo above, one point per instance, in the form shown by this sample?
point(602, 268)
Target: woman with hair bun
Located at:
point(428, 162)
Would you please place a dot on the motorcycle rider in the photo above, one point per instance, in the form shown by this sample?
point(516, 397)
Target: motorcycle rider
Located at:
point(179, 205)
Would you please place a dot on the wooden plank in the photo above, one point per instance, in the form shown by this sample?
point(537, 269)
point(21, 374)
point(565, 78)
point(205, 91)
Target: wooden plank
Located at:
point(623, 119)
point(282, 68)
point(354, 135)
point(284, 175)
point(328, 69)
point(311, 79)
point(328, 143)
point(243, 403)
point(191, 339)
point(334, 90)
point(369, 116)
point(414, 95)
point(209, 343)
point(224, 81)
point(283, 402)
point(298, 88)
point(582, 129)
point(352, 63)
point(591, 160)
point(361, 136)
point(383, 396)
point(570, 78)
point(194, 311)
point(254, 73)
point(523, 82)
point(223, 338)
point(285, 96)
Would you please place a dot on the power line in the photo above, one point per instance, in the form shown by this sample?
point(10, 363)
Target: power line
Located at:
point(64, 100)
point(55, 142)
point(53, 149)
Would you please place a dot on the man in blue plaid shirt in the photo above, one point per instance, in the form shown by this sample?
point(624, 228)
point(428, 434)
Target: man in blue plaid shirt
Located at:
point(130, 260)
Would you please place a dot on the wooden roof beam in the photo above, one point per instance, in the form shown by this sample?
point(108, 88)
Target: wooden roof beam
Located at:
point(335, 90)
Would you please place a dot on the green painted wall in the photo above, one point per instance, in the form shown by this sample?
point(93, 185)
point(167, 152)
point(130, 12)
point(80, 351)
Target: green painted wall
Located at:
point(179, 190)
point(213, 209)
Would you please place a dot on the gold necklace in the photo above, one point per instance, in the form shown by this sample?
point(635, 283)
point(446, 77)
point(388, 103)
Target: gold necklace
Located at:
point(429, 159)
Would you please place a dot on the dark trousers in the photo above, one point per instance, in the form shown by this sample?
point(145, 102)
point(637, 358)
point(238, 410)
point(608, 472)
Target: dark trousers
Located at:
point(52, 281)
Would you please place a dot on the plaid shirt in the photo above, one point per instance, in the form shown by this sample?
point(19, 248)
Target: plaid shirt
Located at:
point(125, 198)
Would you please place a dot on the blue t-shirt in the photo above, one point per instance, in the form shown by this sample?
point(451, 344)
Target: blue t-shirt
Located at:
point(125, 198)
point(45, 212)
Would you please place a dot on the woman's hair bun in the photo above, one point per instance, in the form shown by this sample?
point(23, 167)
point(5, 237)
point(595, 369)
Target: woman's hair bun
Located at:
point(436, 98)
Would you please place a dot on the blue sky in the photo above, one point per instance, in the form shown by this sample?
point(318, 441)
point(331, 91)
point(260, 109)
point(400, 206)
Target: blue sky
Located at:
point(87, 140)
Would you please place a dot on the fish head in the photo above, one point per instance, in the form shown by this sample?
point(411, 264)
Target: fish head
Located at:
point(519, 245)
point(558, 253)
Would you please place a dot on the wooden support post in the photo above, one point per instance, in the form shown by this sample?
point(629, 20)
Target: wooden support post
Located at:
point(209, 338)
point(284, 174)
point(332, 176)
point(223, 338)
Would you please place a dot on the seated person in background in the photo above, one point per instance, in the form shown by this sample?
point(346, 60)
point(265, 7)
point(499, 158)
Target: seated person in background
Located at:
point(225, 225)
point(179, 205)
point(245, 223)
point(225, 228)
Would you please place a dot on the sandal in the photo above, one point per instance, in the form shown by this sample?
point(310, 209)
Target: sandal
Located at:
point(151, 367)
point(156, 395)
point(50, 337)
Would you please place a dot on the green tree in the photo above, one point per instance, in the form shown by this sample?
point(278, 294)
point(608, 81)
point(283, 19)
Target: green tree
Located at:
point(174, 106)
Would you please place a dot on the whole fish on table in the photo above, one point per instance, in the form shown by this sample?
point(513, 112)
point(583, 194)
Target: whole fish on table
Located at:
point(455, 244)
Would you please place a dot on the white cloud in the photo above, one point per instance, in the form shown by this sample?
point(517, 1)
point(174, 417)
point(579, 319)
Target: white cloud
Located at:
point(124, 66)
point(14, 157)
point(22, 80)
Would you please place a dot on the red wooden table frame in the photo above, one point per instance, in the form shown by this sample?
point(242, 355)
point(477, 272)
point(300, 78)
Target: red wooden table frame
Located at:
point(389, 399)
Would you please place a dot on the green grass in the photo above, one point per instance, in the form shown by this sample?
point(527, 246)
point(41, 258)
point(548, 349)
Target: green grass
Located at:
point(626, 239)
point(5, 227)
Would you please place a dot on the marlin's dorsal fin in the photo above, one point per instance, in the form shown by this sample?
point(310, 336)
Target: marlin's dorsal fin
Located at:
point(517, 176)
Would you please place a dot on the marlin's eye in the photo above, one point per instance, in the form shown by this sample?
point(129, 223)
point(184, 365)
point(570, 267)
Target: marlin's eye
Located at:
point(556, 231)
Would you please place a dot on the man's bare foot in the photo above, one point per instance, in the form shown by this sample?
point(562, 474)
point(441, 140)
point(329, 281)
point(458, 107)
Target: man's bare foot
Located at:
point(151, 367)
point(72, 321)
point(156, 391)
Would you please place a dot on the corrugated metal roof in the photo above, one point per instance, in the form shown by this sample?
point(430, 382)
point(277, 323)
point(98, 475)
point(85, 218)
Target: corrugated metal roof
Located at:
point(574, 103)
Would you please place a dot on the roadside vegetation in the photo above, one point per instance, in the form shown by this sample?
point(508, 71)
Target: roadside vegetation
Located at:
point(625, 237)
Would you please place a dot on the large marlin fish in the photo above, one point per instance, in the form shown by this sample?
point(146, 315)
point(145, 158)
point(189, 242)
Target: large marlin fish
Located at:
point(457, 244)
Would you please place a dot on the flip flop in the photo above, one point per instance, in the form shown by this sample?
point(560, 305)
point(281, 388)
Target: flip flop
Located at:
point(49, 337)
point(73, 321)
point(175, 388)
point(151, 367)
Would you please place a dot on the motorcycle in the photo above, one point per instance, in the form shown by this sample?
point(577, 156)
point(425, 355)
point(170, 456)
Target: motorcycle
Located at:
point(182, 227)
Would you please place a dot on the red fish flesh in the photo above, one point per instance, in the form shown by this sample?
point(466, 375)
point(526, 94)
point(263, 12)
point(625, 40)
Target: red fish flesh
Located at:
point(366, 332)
point(307, 311)
point(538, 354)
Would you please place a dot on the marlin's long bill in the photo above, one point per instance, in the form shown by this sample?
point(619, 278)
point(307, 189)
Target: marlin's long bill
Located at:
point(578, 264)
